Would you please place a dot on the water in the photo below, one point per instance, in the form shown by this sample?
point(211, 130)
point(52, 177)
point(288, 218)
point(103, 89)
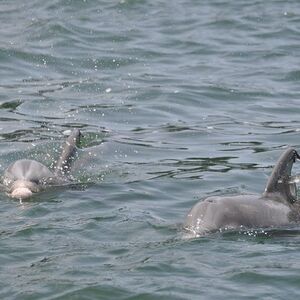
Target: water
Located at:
point(177, 100)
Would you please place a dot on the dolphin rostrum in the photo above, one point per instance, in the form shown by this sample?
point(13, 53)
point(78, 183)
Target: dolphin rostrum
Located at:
point(24, 177)
point(277, 205)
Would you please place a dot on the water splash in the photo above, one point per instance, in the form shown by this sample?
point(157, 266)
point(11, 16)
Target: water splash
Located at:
point(294, 179)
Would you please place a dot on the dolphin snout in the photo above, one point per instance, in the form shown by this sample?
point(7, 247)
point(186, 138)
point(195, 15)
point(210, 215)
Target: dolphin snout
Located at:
point(23, 189)
point(21, 193)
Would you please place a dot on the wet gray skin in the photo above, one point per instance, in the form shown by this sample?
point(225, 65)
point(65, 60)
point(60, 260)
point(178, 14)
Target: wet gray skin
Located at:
point(275, 207)
point(25, 177)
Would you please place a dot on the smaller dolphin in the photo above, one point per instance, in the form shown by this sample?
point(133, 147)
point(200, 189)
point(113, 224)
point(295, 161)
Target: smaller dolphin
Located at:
point(277, 205)
point(24, 177)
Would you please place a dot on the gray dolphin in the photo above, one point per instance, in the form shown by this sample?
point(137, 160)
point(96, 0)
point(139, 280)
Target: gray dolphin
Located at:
point(277, 205)
point(24, 177)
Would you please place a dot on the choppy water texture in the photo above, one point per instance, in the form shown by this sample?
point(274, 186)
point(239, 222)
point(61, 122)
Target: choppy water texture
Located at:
point(177, 100)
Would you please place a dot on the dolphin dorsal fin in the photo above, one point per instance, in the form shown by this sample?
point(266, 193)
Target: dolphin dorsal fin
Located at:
point(67, 155)
point(279, 179)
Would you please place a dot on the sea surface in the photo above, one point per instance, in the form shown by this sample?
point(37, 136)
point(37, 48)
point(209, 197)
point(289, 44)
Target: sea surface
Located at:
point(177, 100)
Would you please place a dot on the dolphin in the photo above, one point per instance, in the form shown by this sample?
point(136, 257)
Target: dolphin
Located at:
point(24, 177)
point(277, 206)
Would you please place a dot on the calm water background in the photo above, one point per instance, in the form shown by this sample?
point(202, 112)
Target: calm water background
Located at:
point(177, 100)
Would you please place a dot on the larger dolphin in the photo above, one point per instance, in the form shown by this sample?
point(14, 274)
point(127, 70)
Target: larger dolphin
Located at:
point(24, 177)
point(277, 205)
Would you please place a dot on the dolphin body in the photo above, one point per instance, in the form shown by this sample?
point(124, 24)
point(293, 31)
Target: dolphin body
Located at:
point(277, 205)
point(24, 177)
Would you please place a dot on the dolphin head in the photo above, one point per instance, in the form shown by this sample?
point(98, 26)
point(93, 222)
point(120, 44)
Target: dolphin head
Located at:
point(24, 177)
point(279, 182)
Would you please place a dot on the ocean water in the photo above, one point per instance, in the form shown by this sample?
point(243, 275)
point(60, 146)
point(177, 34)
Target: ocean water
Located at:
point(177, 100)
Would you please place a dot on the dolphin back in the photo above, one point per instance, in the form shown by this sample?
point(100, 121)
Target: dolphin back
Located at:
point(68, 153)
point(279, 181)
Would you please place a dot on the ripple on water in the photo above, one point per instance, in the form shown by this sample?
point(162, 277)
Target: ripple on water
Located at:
point(177, 101)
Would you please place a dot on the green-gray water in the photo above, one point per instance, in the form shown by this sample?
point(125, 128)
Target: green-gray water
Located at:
point(177, 100)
